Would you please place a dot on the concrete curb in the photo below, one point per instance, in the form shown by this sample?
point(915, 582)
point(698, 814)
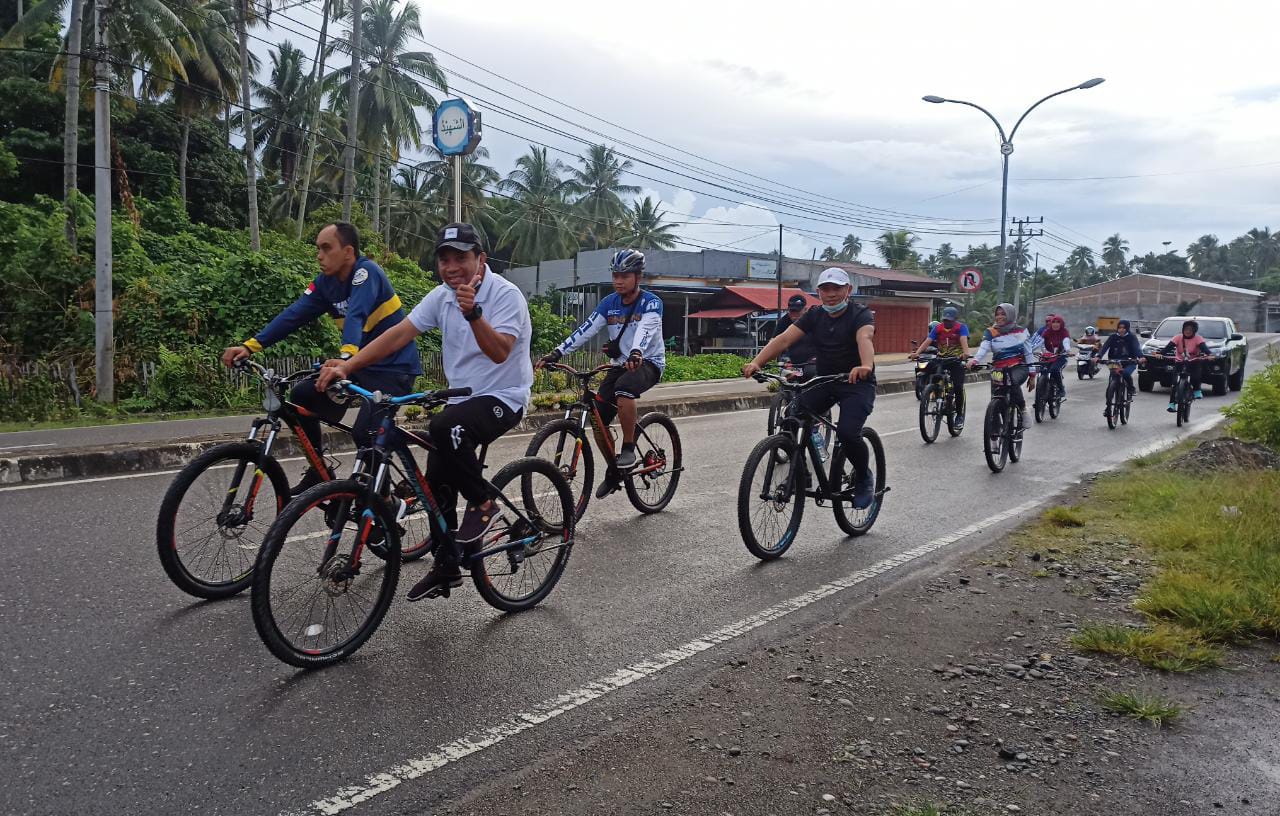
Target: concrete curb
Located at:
point(89, 462)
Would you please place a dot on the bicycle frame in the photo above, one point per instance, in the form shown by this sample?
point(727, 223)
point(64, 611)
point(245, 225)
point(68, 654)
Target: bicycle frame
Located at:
point(588, 408)
point(800, 426)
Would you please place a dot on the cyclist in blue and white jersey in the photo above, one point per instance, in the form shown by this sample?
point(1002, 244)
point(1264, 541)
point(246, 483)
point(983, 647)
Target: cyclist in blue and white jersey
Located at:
point(1010, 348)
point(633, 318)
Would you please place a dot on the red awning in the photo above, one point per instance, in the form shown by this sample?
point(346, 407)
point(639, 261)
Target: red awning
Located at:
point(730, 311)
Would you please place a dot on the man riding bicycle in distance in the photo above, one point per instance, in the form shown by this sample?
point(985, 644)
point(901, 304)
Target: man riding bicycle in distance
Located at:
point(1009, 346)
point(842, 333)
point(485, 327)
point(636, 345)
point(1188, 345)
point(802, 354)
point(1123, 345)
point(355, 292)
point(951, 338)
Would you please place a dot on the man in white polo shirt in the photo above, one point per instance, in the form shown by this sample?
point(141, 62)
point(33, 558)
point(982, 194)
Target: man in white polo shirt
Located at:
point(484, 320)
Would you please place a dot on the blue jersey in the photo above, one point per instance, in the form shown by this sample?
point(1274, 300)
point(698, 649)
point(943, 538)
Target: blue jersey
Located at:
point(643, 331)
point(364, 306)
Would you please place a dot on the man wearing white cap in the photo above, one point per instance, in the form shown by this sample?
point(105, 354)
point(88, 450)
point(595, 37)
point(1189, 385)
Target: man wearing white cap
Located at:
point(842, 333)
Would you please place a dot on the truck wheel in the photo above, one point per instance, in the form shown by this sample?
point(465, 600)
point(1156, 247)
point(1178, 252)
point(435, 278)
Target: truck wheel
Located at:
point(1236, 382)
point(1146, 382)
point(1220, 386)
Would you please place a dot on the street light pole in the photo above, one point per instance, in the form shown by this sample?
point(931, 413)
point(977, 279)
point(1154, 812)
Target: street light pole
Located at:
point(1006, 150)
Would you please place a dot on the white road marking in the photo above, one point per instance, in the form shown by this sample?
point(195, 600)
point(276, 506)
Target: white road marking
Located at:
point(33, 445)
point(476, 741)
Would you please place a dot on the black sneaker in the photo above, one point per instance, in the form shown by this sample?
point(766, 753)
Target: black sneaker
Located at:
point(476, 524)
point(611, 482)
point(310, 478)
point(438, 581)
point(627, 458)
point(959, 422)
point(864, 490)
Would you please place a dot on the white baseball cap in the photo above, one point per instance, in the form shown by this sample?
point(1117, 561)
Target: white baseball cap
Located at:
point(834, 275)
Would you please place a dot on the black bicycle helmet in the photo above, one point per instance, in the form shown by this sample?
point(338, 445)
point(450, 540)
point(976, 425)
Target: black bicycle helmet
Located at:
point(627, 260)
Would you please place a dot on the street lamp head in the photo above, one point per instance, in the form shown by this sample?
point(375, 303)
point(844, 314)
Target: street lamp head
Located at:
point(934, 99)
point(1091, 83)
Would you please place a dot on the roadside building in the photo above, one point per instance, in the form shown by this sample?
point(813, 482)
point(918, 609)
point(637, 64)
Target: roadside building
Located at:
point(1148, 299)
point(716, 300)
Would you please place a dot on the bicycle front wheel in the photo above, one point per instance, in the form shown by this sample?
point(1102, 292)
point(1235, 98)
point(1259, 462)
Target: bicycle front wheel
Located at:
point(1113, 406)
point(777, 409)
point(1013, 431)
point(214, 517)
point(931, 413)
point(313, 605)
point(1124, 409)
point(652, 483)
point(524, 554)
point(993, 438)
point(851, 520)
point(564, 444)
point(770, 506)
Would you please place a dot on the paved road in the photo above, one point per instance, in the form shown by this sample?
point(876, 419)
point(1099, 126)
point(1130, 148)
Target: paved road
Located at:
point(122, 696)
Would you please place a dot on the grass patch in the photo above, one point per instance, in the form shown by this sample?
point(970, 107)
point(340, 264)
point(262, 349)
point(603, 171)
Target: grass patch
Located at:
point(916, 810)
point(1140, 705)
point(1168, 648)
point(1064, 517)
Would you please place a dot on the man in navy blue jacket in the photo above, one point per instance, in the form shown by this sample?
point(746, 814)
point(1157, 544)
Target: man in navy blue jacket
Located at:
point(355, 292)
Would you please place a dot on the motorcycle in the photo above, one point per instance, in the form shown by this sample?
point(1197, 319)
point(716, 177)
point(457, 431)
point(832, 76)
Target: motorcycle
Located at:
point(1086, 362)
point(924, 367)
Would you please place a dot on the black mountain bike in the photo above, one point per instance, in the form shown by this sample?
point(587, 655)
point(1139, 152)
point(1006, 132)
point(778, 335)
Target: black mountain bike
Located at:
point(317, 597)
point(1119, 394)
point(786, 468)
point(1002, 427)
point(650, 485)
point(780, 406)
point(1182, 394)
point(217, 509)
point(937, 400)
point(1048, 390)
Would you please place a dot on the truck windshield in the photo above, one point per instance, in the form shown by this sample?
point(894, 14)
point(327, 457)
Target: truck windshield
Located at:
point(1209, 329)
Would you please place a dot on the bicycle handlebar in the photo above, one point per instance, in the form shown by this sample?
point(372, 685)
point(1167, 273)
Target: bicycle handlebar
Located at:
point(764, 377)
point(568, 369)
point(419, 398)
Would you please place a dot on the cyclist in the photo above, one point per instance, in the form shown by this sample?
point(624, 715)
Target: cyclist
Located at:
point(1188, 345)
point(1124, 344)
point(1057, 340)
point(355, 292)
point(484, 322)
point(1009, 346)
point(951, 338)
point(842, 332)
point(801, 353)
point(640, 352)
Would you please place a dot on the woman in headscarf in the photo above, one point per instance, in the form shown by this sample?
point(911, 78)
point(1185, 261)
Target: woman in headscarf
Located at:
point(1123, 345)
point(1189, 346)
point(1009, 347)
point(1057, 341)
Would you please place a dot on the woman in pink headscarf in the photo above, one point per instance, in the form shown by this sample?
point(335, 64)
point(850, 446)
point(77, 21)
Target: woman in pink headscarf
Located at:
point(1057, 340)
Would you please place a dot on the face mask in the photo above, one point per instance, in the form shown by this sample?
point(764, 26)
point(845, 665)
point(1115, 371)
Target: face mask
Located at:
point(948, 323)
point(833, 309)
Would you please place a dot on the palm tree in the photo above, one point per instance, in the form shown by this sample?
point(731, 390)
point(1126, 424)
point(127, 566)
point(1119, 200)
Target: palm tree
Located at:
point(1115, 251)
point(945, 263)
point(395, 81)
point(1205, 256)
point(418, 210)
point(850, 248)
point(1263, 249)
point(477, 179)
point(829, 254)
point(895, 247)
point(538, 227)
point(643, 228)
point(282, 119)
point(315, 98)
point(1080, 267)
point(598, 183)
point(243, 21)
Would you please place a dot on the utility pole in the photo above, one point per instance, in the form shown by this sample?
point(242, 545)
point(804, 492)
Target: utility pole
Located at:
point(353, 114)
point(1035, 275)
point(779, 317)
point(1020, 223)
point(104, 348)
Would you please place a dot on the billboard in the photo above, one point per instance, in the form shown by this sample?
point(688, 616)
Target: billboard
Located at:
point(762, 269)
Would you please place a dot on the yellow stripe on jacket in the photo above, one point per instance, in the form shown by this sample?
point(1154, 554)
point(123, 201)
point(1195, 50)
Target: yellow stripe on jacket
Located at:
point(388, 307)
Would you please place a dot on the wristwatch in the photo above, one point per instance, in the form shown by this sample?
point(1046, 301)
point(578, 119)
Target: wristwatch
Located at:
point(476, 313)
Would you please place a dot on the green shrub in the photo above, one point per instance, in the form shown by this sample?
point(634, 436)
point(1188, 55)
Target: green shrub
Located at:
point(703, 367)
point(189, 379)
point(1255, 416)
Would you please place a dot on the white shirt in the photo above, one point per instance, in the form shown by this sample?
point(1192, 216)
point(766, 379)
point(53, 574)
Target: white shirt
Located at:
point(465, 365)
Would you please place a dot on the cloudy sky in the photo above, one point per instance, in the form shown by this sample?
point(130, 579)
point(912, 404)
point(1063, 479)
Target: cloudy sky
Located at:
point(810, 113)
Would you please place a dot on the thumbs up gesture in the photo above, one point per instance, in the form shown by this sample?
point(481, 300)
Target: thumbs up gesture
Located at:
point(467, 295)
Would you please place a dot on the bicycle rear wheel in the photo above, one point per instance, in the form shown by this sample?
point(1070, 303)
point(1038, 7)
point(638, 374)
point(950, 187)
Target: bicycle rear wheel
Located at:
point(850, 519)
point(311, 605)
point(564, 444)
point(540, 516)
point(652, 483)
point(1125, 404)
point(931, 413)
point(769, 505)
point(1055, 402)
point(214, 517)
point(1014, 430)
point(993, 440)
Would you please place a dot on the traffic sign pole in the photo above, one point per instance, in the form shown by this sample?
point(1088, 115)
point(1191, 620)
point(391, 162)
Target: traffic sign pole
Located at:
point(457, 188)
point(455, 130)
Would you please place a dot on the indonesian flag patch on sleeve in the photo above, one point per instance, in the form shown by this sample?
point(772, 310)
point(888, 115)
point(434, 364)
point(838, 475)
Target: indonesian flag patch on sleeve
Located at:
point(311, 287)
